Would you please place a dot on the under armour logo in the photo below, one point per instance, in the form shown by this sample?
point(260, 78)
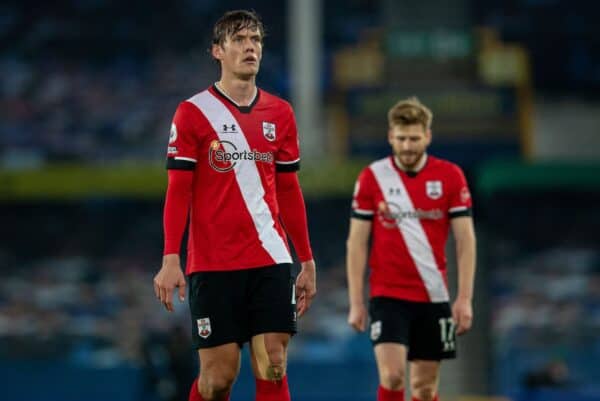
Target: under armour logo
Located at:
point(394, 191)
point(228, 128)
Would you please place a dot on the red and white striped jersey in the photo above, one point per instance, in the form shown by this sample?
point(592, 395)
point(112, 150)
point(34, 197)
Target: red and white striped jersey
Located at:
point(411, 215)
point(234, 152)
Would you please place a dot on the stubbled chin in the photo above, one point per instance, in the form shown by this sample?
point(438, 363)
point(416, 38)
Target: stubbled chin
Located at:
point(408, 161)
point(247, 73)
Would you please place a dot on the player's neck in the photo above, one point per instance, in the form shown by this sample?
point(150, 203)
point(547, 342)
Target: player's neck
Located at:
point(413, 169)
point(240, 92)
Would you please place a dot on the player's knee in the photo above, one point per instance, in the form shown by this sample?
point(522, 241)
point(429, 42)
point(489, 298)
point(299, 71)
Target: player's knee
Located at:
point(392, 379)
point(423, 391)
point(215, 387)
point(276, 355)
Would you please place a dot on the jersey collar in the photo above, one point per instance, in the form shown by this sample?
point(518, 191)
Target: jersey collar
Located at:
point(242, 109)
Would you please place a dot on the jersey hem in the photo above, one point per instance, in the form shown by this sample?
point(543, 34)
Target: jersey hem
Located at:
point(390, 293)
point(197, 269)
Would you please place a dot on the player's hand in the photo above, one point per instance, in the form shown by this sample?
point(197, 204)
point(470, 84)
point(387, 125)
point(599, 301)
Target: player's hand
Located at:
point(357, 317)
point(306, 286)
point(462, 313)
point(168, 278)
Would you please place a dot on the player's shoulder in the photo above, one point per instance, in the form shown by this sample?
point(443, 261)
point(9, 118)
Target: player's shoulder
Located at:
point(191, 104)
point(384, 163)
point(194, 101)
point(443, 166)
point(376, 166)
point(191, 108)
point(271, 100)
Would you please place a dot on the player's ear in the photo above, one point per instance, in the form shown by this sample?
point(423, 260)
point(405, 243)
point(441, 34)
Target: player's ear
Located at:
point(217, 51)
point(428, 137)
point(390, 135)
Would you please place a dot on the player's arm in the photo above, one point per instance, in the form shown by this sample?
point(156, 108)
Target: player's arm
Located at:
point(356, 264)
point(464, 235)
point(292, 211)
point(175, 214)
point(181, 162)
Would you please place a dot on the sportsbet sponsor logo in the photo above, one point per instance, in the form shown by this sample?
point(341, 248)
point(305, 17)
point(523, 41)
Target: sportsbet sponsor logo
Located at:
point(391, 215)
point(223, 156)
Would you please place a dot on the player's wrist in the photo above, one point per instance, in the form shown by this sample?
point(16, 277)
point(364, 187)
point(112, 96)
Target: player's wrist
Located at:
point(171, 259)
point(357, 303)
point(171, 247)
point(310, 264)
point(464, 297)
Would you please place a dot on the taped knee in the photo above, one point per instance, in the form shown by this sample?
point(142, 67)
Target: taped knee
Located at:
point(424, 392)
point(276, 369)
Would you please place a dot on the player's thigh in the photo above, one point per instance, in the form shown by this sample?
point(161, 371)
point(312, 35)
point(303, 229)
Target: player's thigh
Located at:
point(391, 321)
point(271, 300)
point(218, 308)
point(424, 378)
point(391, 364)
point(268, 353)
point(432, 334)
point(219, 364)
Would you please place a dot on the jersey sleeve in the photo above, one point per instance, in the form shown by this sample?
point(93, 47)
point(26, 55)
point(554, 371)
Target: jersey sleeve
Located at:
point(182, 152)
point(287, 158)
point(460, 202)
point(363, 204)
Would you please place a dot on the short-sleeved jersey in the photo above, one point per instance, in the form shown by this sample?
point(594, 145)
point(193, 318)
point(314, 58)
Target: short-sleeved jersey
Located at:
point(411, 215)
point(234, 152)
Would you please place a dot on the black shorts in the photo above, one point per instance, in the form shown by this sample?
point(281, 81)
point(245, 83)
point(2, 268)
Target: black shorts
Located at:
point(233, 306)
point(427, 329)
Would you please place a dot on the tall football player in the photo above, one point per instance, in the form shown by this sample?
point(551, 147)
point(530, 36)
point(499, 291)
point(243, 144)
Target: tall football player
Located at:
point(232, 160)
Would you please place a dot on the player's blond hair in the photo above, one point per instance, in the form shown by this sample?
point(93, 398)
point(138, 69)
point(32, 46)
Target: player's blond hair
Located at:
point(409, 112)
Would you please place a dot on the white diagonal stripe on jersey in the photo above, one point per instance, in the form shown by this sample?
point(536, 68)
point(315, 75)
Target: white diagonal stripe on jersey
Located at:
point(247, 177)
point(412, 231)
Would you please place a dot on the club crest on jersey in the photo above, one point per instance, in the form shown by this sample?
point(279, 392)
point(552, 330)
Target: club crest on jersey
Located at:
point(204, 329)
point(269, 131)
point(434, 189)
point(173, 133)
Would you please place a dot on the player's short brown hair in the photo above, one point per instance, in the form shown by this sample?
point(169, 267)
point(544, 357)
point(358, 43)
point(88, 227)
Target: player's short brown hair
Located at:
point(409, 112)
point(234, 21)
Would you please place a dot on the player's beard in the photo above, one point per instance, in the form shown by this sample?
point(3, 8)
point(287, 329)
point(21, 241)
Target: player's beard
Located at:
point(409, 160)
